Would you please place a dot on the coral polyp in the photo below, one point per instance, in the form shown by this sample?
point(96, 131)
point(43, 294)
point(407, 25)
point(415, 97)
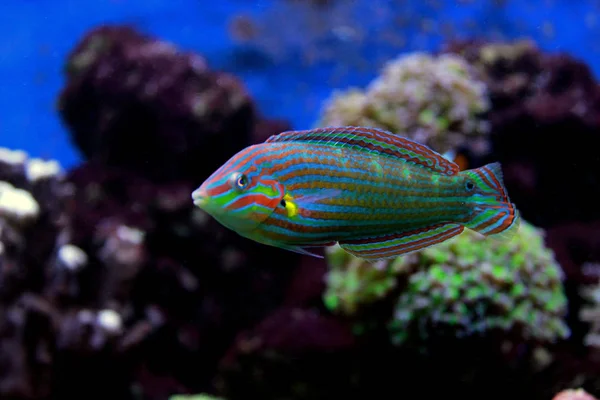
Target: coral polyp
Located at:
point(466, 286)
point(435, 100)
point(474, 286)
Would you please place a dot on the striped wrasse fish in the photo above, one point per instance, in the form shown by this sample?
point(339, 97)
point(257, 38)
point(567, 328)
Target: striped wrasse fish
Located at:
point(377, 194)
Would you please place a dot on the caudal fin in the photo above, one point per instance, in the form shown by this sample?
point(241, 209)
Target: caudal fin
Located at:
point(494, 214)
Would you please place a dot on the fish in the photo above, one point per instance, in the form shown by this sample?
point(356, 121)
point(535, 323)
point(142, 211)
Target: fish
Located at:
point(377, 194)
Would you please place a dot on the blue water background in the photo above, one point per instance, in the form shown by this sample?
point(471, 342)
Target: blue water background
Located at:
point(347, 45)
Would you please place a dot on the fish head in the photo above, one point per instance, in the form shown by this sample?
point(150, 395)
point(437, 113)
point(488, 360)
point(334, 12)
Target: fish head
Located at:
point(240, 195)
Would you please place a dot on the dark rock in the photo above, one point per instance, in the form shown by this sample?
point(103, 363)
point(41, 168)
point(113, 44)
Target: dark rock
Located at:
point(138, 102)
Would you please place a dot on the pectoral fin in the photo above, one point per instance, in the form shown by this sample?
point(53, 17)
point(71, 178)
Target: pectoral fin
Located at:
point(295, 203)
point(301, 250)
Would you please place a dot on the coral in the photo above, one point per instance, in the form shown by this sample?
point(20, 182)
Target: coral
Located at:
point(471, 285)
point(16, 205)
point(41, 271)
point(137, 102)
point(464, 314)
point(353, 283)
point(541, 98)
point(31, 218)
point(108, 270)
point(103, 267)
point(462, 287)
point(183, 283)
point(435, 100)
point(113, 285)
point(32, 215)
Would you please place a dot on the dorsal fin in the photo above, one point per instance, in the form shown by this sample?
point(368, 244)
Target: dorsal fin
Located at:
point(372, 140)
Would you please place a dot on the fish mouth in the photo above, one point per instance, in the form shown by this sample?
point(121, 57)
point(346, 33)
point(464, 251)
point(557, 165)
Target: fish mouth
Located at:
point(200, 197)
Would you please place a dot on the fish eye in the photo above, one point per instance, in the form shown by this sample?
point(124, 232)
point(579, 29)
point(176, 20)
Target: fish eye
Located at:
point(282, 203)
point(242, 181)
point(239, 180)
point(469, 185)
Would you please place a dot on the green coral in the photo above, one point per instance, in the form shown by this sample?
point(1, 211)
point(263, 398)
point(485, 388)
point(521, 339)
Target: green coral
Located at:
point(353, 282)
point(473, 284)
point(435, 100)
point(464, 286)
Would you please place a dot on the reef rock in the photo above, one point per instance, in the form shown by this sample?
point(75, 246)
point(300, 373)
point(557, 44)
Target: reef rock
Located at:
point(138, 102)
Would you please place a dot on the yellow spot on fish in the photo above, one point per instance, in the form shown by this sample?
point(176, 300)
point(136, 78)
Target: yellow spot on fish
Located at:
point(290, 206)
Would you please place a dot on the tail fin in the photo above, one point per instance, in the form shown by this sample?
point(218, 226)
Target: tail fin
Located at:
point(494, 215)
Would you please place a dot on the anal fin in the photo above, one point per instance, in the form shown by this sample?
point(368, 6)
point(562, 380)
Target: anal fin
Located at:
point(304, 250)
point(394, 245)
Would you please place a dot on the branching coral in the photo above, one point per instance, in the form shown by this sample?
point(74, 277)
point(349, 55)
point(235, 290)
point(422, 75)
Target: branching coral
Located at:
point(353, 282)
point(436, 100)
point(472, 285)
point(465, 286)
